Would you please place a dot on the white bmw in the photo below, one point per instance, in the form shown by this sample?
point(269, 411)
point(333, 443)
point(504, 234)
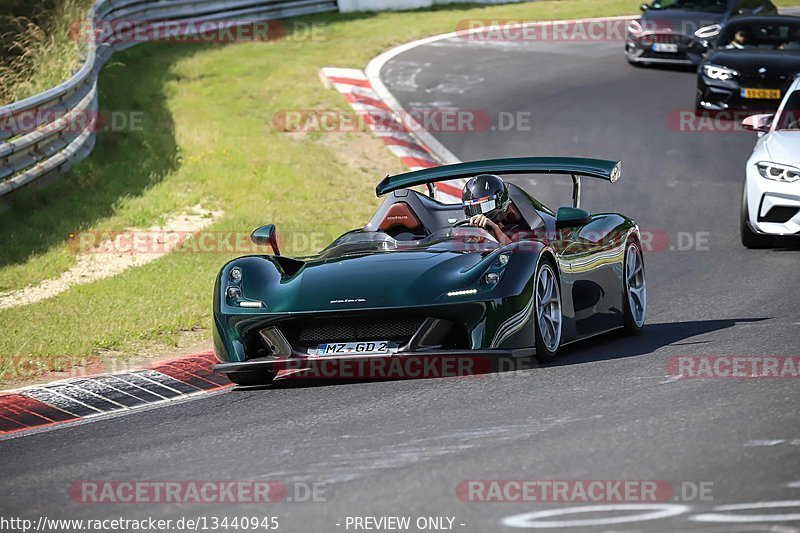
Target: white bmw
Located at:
point(771, 197)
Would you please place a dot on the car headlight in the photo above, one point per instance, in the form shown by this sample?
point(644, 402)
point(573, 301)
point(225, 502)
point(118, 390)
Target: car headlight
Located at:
point(778, 172)
point(491, 278)
point(715, 72)
point(234, 293)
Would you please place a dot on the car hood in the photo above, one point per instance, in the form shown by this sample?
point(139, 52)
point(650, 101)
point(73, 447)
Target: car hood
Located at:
point(679, 21)
point(784, 147)
point(777, 62)
point(369, 281)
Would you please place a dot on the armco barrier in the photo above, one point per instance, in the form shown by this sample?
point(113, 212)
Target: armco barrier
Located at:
point(38, 139)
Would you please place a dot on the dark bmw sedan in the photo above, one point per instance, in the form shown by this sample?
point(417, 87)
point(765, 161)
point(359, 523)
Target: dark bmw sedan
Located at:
point(678, 32)
point(751, 66)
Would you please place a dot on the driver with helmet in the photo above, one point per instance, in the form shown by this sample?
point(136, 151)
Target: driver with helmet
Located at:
point(486, 203)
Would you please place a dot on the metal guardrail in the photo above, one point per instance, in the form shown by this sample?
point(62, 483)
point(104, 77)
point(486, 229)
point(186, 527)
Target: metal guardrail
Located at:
point(38, 139)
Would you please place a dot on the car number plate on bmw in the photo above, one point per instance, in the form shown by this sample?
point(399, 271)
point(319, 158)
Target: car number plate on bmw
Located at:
point(355, 348)
point(762, 94)
point(669, 48)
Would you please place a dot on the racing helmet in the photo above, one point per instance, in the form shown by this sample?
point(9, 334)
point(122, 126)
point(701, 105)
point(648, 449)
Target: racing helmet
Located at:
point(486, 194)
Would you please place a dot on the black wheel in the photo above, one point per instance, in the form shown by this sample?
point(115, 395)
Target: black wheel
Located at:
point(247, 379)
point(635, 287)
point(547, 318)
point(750, 239)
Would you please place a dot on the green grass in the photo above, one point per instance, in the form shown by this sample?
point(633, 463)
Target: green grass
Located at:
point(40, 50)
point(207, 139)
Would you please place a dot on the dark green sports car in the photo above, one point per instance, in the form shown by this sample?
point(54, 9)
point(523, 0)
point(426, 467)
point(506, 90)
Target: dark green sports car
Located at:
point(418, 282)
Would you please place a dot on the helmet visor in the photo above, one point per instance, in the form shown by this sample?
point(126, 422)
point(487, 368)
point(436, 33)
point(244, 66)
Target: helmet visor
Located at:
point(479, 206)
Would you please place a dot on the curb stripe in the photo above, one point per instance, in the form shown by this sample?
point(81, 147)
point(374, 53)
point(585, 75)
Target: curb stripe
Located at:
point(169, 382)
point(86, 398)
point(93, 396)
point(450, 190)
point(164, 393)
point(360, 93)
point(349, 73)
point(64, 403)
point(104, 390)
point(135, 391)
point(197, 366)
point(7, 425)
point(394, 141)
point(24, 417)
point(350, 81)
point(417, 162)
point(50, 414)
point(192, 379)
point(403, 151)
point(356, 98)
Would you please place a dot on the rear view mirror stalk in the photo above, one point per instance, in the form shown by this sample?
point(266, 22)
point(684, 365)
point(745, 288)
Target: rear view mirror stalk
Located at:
point(576, 191)
point(266, 236)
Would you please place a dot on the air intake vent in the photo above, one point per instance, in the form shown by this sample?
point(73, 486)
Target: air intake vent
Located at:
point(317, 331)
point(779, 214)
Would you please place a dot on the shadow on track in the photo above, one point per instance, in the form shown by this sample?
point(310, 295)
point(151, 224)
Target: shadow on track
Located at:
point(606, 347)
point(653, 337)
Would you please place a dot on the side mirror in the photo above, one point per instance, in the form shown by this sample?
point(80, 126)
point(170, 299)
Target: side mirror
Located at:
point(266, 235)
point(759, 123)
point(571, 217)
point(644, 7)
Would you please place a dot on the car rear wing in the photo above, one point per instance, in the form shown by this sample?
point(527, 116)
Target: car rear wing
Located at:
point(570, 166)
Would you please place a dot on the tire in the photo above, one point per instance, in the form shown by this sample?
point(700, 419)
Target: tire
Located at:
point(547, 312)
point(750, 239)
point(247, 379)
point(634, 288)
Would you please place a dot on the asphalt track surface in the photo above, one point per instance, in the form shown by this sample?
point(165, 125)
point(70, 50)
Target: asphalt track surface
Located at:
point(606, 410)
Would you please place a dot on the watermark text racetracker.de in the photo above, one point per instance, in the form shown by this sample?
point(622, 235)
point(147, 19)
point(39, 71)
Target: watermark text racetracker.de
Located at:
point(366, 367)
point(734, 366)
point(582, 491)
point(728, 121)
point(52, 120)
point(615, 29)
point(196, 31)
point(195, 492)
point(142, 242)
point(433, 120)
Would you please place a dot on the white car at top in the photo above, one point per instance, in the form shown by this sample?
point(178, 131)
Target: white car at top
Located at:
point(771, 197)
